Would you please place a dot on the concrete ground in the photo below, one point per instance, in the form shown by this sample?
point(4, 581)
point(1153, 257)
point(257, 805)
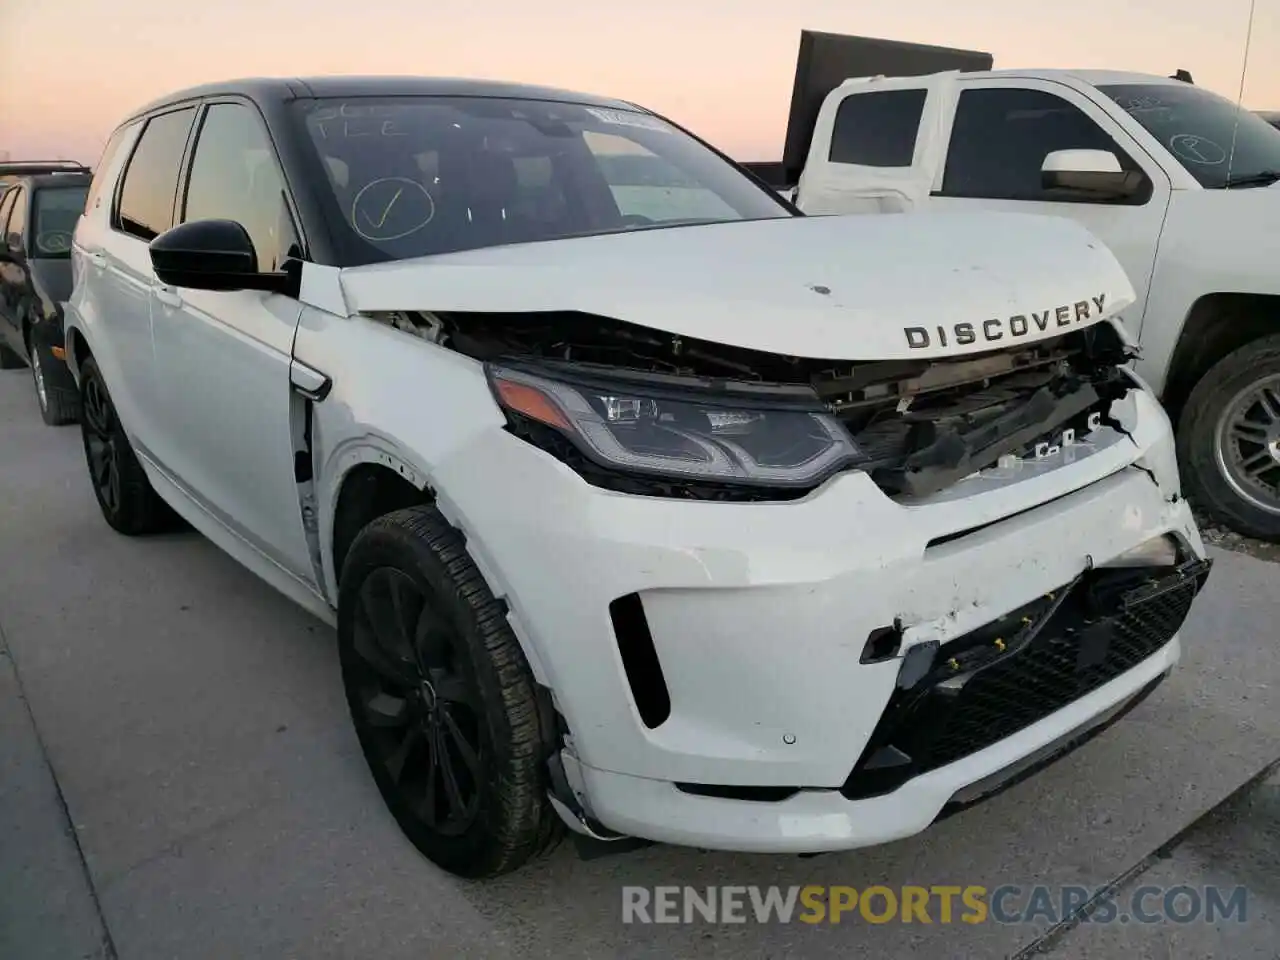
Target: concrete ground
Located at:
point(178, 779)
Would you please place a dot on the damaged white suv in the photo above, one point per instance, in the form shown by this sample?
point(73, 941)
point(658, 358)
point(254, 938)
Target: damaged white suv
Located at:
point(641, 503)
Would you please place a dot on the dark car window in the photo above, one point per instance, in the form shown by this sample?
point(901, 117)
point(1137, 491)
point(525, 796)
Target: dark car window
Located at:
point(1002, 135)
point(151, 179)
point(18, 218)
point(56, 211)
point(877, 129)
point(105, 163)
point(1207, 133)
point(6, 205)
point(426, 175)
point(235, 176)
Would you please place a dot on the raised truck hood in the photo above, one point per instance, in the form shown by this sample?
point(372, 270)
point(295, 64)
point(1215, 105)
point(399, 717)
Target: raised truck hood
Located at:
point(855, 288)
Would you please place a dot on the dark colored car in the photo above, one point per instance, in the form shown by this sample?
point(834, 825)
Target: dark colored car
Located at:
point(38, 214)
point(1271, 116)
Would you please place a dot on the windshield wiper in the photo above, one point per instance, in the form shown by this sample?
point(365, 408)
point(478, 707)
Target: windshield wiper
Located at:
point(1263, 178)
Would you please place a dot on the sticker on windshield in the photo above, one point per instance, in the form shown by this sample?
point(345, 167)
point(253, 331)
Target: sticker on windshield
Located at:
point(1196, 149)
point(625, 118)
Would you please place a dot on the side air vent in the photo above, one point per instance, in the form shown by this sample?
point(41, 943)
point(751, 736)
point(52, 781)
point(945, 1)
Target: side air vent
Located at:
point(640, 660)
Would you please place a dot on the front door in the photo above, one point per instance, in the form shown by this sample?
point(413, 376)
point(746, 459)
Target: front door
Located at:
point(222, 358)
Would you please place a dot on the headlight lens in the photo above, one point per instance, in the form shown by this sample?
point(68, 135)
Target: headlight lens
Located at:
point(629, 428)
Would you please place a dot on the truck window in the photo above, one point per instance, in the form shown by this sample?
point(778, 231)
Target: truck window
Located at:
point(1001, 136)
point(877, 129)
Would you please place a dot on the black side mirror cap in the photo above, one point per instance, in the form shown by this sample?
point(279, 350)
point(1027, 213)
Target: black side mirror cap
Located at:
point(213, 255)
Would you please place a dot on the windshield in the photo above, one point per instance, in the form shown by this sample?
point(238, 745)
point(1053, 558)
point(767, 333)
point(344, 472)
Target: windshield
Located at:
point(412, 176)
point(1198, 128)
point(56, 211)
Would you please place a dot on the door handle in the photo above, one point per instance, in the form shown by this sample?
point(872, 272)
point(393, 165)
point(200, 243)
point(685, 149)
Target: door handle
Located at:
point(168, 297)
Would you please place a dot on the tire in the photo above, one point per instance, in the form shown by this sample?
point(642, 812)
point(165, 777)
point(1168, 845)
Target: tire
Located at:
point(1210, 457)
point(10, 359)
point(465, 680)
point(58, 406)
point(129, 503)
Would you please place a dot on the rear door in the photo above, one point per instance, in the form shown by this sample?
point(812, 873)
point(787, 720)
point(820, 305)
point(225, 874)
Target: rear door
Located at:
point(877, 145)
point(1002, 130)
point(11, 275)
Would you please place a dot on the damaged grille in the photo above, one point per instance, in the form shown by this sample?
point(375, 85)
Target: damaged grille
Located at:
point(919, 425)
point(979, 689)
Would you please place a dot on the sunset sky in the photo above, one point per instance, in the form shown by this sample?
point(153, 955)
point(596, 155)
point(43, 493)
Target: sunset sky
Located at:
point(70, 68)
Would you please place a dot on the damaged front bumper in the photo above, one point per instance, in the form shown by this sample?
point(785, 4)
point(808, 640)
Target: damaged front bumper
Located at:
point(766, 685)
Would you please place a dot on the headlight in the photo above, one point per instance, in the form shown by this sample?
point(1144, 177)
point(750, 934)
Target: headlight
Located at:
point(653, 428)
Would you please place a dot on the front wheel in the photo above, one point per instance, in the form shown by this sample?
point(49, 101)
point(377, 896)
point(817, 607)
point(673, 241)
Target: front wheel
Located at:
point(442, 698)
point(1229, 440)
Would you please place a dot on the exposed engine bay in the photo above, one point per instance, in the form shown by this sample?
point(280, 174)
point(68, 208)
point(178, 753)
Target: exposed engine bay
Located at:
point(920, 425)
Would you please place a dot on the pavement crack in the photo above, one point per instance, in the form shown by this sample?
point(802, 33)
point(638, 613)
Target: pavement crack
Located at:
point(1048, 940)
point(108, 943)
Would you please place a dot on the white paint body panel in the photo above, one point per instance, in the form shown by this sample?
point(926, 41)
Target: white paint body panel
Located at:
point(1184, 244)
point(752, 284)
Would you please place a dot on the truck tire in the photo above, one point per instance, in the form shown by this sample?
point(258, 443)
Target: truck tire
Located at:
point(129, 503)
point(442, 699)
point(1229, 440)
point(10, 359)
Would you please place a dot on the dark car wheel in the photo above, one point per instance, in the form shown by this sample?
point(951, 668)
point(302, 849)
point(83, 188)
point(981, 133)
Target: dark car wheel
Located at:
point(58, 405)
point(1229, 440)
point(10, 359)
point(442, 698)
point(129, 503)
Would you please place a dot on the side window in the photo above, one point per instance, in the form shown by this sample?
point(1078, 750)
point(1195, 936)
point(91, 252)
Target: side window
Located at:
point(6, 204)
point(104, 167)
point(1002, 135)
point(151, 179)
point(18, 218)
point(877, 129)
point(234, 176)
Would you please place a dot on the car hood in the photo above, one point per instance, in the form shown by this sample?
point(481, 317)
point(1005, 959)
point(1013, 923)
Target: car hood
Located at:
point(850, 288)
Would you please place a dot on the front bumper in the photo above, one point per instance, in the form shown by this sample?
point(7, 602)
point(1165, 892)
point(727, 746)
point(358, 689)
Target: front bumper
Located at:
point(760, 614)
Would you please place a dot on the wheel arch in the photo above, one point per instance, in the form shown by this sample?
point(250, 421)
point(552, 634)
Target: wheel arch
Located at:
point(1216, 325)
point(78, 350)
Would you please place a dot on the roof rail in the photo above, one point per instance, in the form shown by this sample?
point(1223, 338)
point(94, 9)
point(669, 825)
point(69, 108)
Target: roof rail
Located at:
point(10, 168)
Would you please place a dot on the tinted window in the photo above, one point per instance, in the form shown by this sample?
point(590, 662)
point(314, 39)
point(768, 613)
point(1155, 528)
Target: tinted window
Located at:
point(877, 129)
point(1207, 134)
point(18, 218)
point(104, 166)
point(425, 175)
point(1002, 136)
point(6, 204)
point(151, 180)
point(56, 211)
point(234, 176)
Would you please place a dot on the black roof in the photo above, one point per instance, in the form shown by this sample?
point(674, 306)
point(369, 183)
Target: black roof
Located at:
point(265, 89)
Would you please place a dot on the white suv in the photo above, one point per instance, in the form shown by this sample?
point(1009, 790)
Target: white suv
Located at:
point(641, 503)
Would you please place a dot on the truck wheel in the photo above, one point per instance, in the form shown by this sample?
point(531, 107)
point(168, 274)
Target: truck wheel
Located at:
point(1229, 440)
point(442, 698)
point(128, 501)
point(10, 359)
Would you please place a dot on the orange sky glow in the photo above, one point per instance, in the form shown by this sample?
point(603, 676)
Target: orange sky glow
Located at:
point(69, 69)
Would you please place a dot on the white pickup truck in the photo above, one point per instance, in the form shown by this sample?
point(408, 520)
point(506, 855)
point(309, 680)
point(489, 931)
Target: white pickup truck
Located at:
point(1175, 179)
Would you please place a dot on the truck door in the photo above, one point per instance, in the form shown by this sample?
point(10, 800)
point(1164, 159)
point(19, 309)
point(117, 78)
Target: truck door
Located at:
point(878, 145)
point(1001, 131)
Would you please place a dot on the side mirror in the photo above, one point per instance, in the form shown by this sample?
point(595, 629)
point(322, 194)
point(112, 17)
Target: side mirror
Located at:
point(1090, 175)
point(212, 255)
